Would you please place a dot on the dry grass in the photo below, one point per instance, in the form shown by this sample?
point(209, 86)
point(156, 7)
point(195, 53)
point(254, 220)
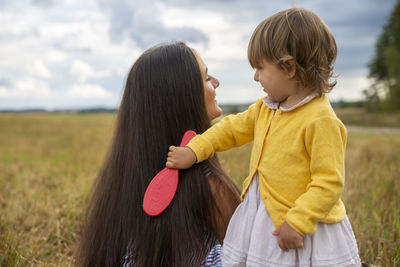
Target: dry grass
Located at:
point(48, 163)
point(372, 196)
point(358, 116)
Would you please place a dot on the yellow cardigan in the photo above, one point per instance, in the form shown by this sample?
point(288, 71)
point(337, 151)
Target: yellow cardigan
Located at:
point(299, 157)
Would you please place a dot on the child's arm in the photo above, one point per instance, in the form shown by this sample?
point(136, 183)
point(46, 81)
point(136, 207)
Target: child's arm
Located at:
point(325, 142)
point(232, 131)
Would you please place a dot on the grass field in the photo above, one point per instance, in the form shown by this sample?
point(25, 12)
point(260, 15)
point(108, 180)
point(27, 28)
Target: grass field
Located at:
point(358, 116)
point(48, 163)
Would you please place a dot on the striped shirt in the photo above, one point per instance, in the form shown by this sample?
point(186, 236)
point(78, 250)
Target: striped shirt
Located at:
point(213, 259)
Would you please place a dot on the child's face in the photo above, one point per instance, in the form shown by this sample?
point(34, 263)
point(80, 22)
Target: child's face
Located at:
point(276, 82)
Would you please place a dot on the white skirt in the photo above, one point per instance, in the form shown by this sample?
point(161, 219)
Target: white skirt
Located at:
point(249, 240)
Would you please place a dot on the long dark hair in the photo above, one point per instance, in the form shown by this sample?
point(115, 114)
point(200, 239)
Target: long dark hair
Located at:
point(163, 97)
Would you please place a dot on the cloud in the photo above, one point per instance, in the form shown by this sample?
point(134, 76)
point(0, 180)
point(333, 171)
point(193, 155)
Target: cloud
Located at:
point(43, 3)
point(72, 53)
point(226, 40)
point(350, 85)
point(28, 88)
point(39, 69)
point(81, 70)
point(33, 93)
point(355, 28)
point(88, 91)
point(140, 21)
point(10, 4)
point(55, 55)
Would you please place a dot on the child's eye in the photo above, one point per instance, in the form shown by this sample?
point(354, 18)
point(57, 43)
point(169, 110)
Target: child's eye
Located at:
point(208, 78)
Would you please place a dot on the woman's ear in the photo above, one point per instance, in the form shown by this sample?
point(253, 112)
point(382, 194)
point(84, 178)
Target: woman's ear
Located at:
point(290, 67)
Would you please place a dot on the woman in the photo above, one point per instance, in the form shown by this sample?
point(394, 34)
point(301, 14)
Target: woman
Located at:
point(168, 91)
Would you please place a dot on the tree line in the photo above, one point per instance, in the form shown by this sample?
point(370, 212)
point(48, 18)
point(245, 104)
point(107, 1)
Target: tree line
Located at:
point(384, 68)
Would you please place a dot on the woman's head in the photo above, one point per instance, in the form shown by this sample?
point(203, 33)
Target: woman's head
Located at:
point(296, 37)
point(169, 81)
point(164, 97)
point(165, 86)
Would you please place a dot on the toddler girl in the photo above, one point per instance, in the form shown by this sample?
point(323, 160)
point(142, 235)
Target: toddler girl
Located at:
point(292, 214)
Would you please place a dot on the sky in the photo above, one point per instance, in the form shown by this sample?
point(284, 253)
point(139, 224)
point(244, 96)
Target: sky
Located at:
point(66, 54)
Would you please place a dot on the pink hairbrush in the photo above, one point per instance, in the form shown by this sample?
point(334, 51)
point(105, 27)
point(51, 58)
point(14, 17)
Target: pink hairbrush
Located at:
point(162, 187)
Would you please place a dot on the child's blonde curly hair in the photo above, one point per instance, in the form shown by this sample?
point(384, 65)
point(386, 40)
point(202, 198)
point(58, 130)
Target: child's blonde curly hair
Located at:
point(299, 35)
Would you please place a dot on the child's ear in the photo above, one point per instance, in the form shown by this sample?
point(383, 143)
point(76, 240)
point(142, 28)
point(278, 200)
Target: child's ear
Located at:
point(290, 67)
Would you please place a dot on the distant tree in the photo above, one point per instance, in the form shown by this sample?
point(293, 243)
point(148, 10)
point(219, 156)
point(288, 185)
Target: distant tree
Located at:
point(385, 67)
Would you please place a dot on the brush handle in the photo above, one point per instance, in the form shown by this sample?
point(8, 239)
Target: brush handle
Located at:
point(162, 187)
point(187, 137)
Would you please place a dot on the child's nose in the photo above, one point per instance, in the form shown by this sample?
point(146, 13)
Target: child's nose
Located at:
point(256, 76)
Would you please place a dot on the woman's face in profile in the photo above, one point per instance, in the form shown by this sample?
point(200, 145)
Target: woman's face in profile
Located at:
point(210, 85)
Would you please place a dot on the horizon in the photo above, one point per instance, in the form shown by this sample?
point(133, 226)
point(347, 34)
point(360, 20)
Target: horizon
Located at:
point(95, 109)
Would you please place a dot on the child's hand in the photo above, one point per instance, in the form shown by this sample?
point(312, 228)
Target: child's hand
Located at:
point(180, 157)
point(288, 237)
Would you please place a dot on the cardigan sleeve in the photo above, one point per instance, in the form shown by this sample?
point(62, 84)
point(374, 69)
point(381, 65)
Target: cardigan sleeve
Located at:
point(232, 131)
point(325, 142)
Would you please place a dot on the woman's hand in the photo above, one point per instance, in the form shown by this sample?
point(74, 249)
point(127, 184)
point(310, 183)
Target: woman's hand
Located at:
point(288, 237)
point(180, 157)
